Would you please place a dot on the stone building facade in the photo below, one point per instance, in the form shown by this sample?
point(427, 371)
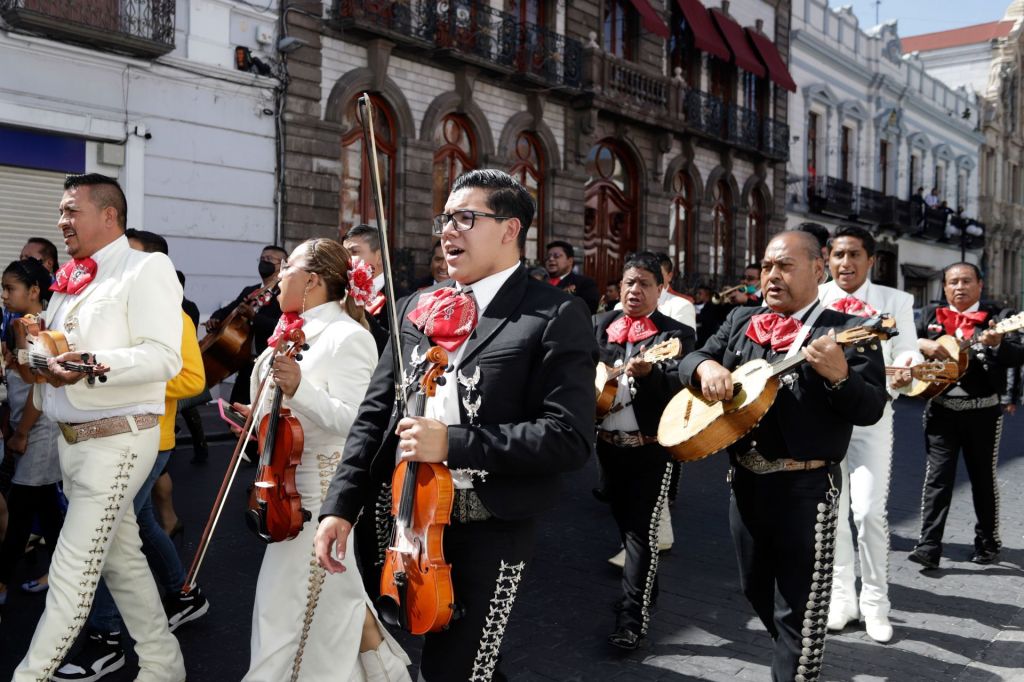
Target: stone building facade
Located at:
point(637, 124)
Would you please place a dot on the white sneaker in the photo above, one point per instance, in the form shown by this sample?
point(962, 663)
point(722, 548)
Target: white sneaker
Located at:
point(619, 560)
point(840, 615)
point(878, 628)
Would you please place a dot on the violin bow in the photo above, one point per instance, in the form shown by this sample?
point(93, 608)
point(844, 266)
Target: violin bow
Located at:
point(370, 144)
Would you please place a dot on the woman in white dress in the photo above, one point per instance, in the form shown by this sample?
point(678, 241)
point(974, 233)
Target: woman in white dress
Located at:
point(307, 624)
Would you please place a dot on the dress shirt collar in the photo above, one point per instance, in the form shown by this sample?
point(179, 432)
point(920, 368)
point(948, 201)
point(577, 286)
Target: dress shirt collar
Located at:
point(484, 290)
point(970, 309)
point(378, 283)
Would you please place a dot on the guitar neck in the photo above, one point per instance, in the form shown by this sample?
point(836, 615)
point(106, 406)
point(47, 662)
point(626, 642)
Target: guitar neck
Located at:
point(786, 364)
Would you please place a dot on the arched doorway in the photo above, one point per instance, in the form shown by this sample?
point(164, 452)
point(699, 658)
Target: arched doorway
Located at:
point(720, 252)
point(757, 227)
point(611, 216)
point(681, 222)
point(456, 153)
point(528, 168)
point(356, 205)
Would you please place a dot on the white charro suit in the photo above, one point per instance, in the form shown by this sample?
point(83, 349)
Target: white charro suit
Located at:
point(867, 468)
point(129, 317)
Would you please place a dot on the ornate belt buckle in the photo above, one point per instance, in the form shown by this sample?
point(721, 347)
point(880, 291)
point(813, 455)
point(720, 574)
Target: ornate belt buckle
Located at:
point(69, 433)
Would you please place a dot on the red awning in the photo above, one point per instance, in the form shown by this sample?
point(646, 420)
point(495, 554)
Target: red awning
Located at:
point(652, 21)
point(742, 54)
point(777, 69)
point(706, 37)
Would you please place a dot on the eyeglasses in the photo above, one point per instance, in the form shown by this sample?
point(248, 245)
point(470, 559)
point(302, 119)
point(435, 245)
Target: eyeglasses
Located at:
point(463, 220)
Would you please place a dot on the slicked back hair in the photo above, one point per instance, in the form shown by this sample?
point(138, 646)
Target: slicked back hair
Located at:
point(366, 232)
point(104, 191)
point(505, 196)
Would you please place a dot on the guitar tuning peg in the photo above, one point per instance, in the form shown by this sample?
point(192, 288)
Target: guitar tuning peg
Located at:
point(298, 356)
point(440, 380)
point(305, 346)
point(103, 378)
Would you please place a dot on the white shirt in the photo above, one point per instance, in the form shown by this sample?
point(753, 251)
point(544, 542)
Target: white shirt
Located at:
point(56, 405)
point(444, 405)
point(378, 283)
point(678, 308)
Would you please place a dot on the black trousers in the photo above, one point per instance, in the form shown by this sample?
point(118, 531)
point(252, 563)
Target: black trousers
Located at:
point(946, 434)
point(488, 559)
point(783, 525)
point(637, 482)
point(24, 503)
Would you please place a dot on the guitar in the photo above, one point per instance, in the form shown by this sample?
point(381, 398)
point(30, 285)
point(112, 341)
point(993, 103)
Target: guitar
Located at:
point(34, 346)
point(606, 383)
point(959, 349)
point(937, 371)
point(692, 427)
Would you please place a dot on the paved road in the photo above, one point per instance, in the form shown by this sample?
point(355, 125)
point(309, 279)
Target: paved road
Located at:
point(963, 622)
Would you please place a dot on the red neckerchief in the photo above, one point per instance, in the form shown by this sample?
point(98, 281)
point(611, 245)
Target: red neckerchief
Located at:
point(851, 305)
point(775, 329)
point(74, 276)
point(952, 320)
point(376, 305)
point(286, 324)
point(631, 329)
point(446, 316)
point(553, 281)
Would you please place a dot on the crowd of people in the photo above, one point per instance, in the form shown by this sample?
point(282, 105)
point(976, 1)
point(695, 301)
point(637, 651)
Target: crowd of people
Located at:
point(506, 406)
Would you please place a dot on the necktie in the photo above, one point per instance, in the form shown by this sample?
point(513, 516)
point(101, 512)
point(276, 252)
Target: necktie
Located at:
point(775, 329)
point(851, 305)
point(74, 276)
point(286, 324)
point(631, 329)
point(952, 320)
point(447, 316)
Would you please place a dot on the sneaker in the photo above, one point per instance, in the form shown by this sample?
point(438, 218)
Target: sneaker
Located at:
point(183, 608)
point(101, 655)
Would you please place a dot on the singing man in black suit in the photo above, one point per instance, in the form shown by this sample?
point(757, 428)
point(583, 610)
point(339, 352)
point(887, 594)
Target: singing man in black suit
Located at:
point(559, 263)
point(785, 472)
point(637, 470)
point(516, 410)
point(967, 417)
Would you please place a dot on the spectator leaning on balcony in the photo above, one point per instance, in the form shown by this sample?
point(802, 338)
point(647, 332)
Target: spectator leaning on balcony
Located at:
point(932, 200)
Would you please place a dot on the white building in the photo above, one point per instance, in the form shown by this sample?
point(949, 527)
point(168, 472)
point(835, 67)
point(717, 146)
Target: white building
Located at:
point(145, 91)
point(869, 127)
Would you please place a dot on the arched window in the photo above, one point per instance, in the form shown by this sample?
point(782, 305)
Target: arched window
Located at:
point(681, 223)
point(610, 218)
point(757, 227)
point(356, 204)
point(528, 168)
point(456, 153)
point(721, 231)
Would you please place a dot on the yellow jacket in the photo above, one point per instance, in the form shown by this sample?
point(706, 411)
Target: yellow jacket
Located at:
point(190, 381)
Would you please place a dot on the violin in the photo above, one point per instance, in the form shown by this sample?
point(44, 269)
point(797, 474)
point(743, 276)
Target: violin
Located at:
point(275, 505)
point(226, 349)
point(35, 345)
point(416, 582)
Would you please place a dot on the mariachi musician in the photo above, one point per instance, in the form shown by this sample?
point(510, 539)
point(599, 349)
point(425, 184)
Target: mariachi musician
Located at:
point(515, 411)
point(967, 417)
point(637, 470)
point(785, 472)
point(263, 320)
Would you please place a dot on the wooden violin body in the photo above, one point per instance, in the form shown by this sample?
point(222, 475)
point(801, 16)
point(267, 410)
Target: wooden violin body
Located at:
point(226, 349)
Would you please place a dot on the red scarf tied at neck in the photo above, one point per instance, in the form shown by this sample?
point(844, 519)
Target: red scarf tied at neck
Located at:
point(74, 276)
point(446, 316)
point(287, 323)
point(965, 322)
point(775, 329)
point(851, 305)
point(631, 329)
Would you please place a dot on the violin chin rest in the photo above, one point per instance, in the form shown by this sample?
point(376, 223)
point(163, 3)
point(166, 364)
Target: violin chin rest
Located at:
point(387, 609)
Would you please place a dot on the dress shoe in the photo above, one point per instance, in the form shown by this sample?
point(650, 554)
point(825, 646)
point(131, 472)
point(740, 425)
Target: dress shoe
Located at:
point(878, 628)
point(839, 615)
point(624, 638)
point(919, 556)
point(984, 556)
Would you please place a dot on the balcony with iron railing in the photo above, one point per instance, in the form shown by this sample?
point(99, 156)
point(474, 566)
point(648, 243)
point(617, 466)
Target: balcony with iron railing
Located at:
point(473, 32)
point(142, 28)
point(832, 196)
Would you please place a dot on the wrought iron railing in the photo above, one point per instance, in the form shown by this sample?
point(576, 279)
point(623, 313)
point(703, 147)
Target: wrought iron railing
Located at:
point(743, 127)
point(139, 27)
point(704, 112)
point(775, 139)
point(876, 207)
point(833, 196)
point(473, 30)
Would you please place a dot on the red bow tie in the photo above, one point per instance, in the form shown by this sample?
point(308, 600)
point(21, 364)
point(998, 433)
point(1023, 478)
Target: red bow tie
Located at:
point(774, 328)
point(953, 320)
point(74, 276)
point(851, 305)
point(446, 316)
point(376, 305)
point(286, 324)
point(553, 281)
point(631, 329)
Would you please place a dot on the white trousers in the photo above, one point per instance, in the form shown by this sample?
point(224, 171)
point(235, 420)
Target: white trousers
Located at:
point(100, 536)
point(866, 472)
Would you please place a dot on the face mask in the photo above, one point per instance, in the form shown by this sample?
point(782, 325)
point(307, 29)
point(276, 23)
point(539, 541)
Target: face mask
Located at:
point(266, 269)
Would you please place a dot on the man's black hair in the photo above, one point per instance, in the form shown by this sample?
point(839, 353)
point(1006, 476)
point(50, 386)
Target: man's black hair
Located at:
point(275, 247)
point(664, 260)
point(564, 246)
point(506, 196)
point(645, 260)
point(867, 239)
point(104, 191)
point(151, 241)
point(367, 232)
point(972, 266)
point(49, 250)
point(820, 232)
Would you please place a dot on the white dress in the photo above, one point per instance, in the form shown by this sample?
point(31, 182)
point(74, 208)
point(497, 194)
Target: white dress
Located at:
point(307, 624)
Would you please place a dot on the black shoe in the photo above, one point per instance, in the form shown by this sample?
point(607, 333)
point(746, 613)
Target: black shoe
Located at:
point(919, 556)
point(200, 453)
point(183, 608)
point(624, 638)
point(101, 655)
point(984, 556)
point(600, 495)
